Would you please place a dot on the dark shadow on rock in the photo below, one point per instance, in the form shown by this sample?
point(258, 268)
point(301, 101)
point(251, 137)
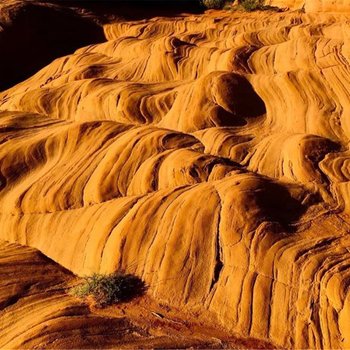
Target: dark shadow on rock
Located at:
point(248, 102)
point(281, 205)
point(134, 9)
point(38, 34)
point(235, 93)
point(131, 287)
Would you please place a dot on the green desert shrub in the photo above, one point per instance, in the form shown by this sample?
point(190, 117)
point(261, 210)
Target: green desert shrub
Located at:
point(109, 289)
point(255, 5)
point(214, 4)
point(252, 5)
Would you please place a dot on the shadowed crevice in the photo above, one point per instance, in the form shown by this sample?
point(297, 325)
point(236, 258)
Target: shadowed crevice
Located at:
point(37, 34)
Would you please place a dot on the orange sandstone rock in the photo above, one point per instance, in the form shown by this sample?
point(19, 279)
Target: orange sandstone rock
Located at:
point(206, 154)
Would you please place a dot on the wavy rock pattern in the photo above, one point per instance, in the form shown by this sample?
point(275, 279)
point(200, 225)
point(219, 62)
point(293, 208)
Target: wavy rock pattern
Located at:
point(37, 313)
point(206, 154)
point(313, 5)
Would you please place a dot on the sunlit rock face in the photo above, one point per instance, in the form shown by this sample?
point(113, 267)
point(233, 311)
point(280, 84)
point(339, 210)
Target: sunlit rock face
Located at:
point(313, 5)
point(207, 154)
point(328, 5)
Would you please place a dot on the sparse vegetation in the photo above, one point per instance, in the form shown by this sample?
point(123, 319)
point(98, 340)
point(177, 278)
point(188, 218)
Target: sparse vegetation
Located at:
point(245, 5)
point(109, 289)
point(256, 5)
point(251, 5)
point(214, 4)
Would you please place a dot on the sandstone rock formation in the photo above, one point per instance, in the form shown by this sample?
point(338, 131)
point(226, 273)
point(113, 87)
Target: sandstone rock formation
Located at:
point(313, 5)
point(37, 313)
point(206, 154)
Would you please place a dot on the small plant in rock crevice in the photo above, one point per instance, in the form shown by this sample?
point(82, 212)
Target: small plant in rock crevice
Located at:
point(251, 5)
point(110, 288)
point(256, 5)
point(245, 5)
point(213, 4)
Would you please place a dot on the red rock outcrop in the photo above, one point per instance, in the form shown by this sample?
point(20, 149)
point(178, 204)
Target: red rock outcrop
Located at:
point(206, 154)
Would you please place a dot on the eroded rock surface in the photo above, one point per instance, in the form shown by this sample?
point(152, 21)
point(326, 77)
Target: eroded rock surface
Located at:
point(313, 5)
point(206, 154)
